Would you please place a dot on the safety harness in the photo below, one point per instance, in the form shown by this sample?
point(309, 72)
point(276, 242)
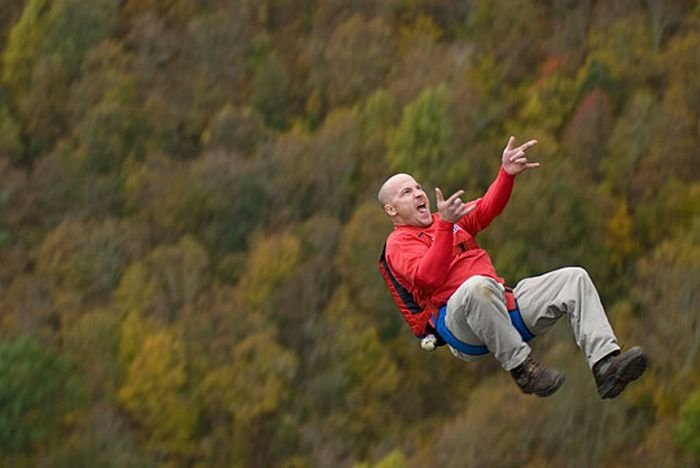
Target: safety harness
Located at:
point(424, 322)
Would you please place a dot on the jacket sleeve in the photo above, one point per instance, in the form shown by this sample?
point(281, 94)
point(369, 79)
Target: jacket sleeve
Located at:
point(424, 266)
point(490, 205)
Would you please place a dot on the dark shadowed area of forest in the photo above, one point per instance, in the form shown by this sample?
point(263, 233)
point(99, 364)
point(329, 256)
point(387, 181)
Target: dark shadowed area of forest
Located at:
point(189, 230)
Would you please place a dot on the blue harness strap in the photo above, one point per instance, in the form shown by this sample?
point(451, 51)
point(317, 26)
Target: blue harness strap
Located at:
point(478, 350)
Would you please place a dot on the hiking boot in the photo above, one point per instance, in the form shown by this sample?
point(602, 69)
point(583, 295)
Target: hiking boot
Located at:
point(533, 377)
point(616, 370)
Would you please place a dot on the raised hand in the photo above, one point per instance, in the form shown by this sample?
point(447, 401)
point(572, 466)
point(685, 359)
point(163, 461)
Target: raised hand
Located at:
point(514, 159)
point(452, 209)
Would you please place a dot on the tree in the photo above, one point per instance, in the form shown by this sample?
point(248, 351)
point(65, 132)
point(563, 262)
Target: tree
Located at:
point(271, 96)
point(27, 308)
point(424, 61)
point(509, 36)
point(10, 135)
point(356, 262)
point(355, 60)
point(12, 10)
point(688, 429)
point(421, 144)
point(619, 52)
point(154, 393)
point(92, 341)
point(586, 134)
point(665, 16)
point(166, 282)
point(89, 256)
point(629, 143)
point(37, 390)
point(218, 47)
point(223, 201)
point(678, 119)
point(234, 130)
point(13, 199)
point(353, 385)
point(309, 175)
point(377, 118)
point(522, 247)
point(665, 281)
point(43, 56)
point(254, 384)
point(101, 436)
point(218, 199)
point(271, 260)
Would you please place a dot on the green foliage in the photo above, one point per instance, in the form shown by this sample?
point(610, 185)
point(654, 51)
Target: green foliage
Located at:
point(93, 342)
point(550, 101)
point(271, 92)
point(629, 143)
point(254, 383)
point(508, 35)
point(187, 211)
point(525, 248)
point(234, 130)
point(356, 259)
point(10, 142)
point(24, 41)
point(88, 256)
point(689, 424)
point(422, 142)
point(673, 266)
point(217, 51)
point(356, 59)
point(175, 274)
point(394, 459)
point(621, 51)
point(223, 201)
point(37, 390)
point(43, 56)
point(247, 389)
point(104, 438)
point(314, 175)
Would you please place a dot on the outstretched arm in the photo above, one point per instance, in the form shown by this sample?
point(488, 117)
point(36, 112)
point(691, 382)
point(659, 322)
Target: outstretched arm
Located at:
point(514, 162)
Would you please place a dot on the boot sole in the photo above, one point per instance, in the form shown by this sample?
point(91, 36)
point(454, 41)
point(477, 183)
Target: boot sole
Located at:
point(631, 369)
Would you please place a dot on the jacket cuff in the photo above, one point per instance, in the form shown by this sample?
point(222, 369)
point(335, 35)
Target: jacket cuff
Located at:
point(443, 225)
point(502, 173)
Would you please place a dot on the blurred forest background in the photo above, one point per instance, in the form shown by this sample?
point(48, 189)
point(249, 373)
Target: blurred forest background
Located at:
point(189, 232)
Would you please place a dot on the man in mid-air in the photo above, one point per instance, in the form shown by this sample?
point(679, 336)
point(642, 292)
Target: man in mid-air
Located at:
point(455, 292)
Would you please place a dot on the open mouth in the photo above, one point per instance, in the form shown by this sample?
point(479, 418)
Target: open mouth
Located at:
point(422, 208)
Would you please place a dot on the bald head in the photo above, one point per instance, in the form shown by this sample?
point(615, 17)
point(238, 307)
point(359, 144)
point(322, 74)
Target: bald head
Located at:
point(390, 187)
point(404, 201)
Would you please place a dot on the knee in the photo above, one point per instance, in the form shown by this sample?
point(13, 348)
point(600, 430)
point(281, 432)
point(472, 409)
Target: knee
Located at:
point(577, 275)
point(482, 288)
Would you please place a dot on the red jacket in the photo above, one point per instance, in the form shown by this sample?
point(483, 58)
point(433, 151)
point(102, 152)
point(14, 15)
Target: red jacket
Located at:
point(431, 263)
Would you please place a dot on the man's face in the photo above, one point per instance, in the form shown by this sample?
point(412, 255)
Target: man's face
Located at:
point(407, 203)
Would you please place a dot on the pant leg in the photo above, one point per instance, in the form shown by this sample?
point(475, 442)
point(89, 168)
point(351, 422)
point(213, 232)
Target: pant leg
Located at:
point(544, 299)
point(476, 314)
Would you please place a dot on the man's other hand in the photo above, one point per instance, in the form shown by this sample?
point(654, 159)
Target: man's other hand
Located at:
point(514, 159)
point(452, 209)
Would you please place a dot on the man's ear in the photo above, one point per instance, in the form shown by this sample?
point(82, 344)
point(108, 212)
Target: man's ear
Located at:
point(390, 210)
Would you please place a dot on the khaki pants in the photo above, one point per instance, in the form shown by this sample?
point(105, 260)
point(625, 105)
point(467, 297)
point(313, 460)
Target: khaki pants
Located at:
point(476, 314)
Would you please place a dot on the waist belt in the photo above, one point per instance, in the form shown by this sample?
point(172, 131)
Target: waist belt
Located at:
point(477, 350)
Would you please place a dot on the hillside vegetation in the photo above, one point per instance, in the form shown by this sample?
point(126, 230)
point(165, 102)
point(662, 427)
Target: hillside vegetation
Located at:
point(189, 230)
